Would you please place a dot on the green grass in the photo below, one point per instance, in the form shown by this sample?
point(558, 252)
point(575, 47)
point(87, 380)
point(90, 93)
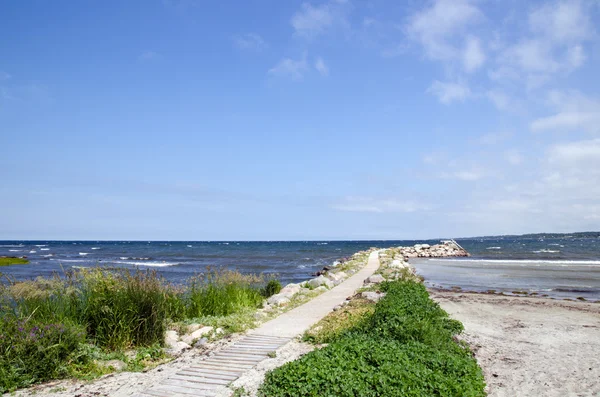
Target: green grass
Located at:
point(13, 261)
point(405, 348)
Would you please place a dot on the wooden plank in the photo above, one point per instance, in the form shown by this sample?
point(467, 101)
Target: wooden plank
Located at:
point(202, 375)
point(197, 378)
point(220, 367)
point(201, 383)
point(198, 388)
point(216, 372)
point(187, 391)
point(160, 393)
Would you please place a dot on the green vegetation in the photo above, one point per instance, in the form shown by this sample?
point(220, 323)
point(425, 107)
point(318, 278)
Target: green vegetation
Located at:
point(404, 348)
point(57, 327)
point(7, 261)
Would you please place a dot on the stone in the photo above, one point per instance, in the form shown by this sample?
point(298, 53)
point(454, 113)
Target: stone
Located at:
point(117, 365)
point(201, 342)
point(178, 348)
point(372, 296)
point(199, 333)
point(320, 281)
point(171, 337)
point(375, 279)
point(278, 300)
point(398, 264)
point(193, 327)
point(320, 289)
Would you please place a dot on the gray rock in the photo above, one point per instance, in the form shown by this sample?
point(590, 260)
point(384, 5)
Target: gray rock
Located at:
point(322, 288)
point(117, 365)
point(178, 348)
point(201, 342)
point(375, 279)
point(171, 338)
point(278, 300)
point(320, 281)
point(373, 296)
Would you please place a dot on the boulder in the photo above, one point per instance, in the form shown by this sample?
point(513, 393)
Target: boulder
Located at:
point(320, 281)
point(193, 327)
point(117, 365)
point(398, 264)
point(278, 300)
point(199, 333)
point(171, 338)
point(373, 296)
point(322, 288)
point(375, 279)
point(178, 348)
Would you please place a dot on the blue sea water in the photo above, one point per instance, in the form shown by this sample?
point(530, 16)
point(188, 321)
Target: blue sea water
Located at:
point(561, 267)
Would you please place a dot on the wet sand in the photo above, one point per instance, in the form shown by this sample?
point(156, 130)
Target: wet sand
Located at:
point(530, 346)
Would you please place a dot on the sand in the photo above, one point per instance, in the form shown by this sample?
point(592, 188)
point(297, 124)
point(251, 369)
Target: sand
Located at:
point(530, 346)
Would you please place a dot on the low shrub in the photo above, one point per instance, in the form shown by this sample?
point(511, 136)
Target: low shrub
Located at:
point(31, 352)
point(273, 287)
point(405, 348)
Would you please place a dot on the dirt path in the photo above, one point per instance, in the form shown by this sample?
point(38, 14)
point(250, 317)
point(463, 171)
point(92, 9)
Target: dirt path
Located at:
point(530, 346)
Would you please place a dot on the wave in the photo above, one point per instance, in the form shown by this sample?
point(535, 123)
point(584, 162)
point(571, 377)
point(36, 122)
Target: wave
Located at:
point(84, 253)
point(95, 248)
point(45, 249)
point(42, 245)
point(70, 260)
point(545, 251)
point(11, 246)
point(494, 248)
point(48, 256)
point(133, 258)
point(150, 264)
point(32, 252)
point(15, 250)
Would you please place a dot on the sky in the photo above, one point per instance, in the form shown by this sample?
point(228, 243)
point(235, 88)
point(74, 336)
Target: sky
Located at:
point(298, 120)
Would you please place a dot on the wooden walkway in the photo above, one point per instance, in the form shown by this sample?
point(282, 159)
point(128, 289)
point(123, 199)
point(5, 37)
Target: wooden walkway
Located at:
point(216, 372)
point(207, 376)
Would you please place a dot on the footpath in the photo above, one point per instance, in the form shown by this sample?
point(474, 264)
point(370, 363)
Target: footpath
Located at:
point(214, 373)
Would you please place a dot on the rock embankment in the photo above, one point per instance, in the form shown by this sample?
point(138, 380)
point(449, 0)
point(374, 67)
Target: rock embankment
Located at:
point(445, 248)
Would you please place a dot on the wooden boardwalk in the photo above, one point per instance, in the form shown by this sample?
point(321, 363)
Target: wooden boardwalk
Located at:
point(210, 376)
point(207, 376)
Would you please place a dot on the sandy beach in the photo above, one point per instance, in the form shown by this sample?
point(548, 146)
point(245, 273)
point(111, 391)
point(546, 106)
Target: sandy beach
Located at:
point(530, 346)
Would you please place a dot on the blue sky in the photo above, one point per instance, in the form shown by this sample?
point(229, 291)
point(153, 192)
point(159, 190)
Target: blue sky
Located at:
point(196, 120)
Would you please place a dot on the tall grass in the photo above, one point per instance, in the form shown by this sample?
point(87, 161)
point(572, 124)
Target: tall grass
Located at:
point(113, 309)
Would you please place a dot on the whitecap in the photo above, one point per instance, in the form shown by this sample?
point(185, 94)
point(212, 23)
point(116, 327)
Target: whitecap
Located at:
point(494, 248)
point(301, 266)
point(189, 246)
point(95, 248)
point(15, 250)
point(42, 245)
point(150, 264)
point(48, 256)
point(84, 253)
point(45, 249)
point(545, 251)
point(32, 252)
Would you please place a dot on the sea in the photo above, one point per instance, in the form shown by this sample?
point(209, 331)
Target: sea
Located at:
point(560, 267)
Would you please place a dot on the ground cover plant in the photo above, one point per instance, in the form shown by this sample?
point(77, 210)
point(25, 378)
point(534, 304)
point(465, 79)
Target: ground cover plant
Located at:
point(405, 348)
point(66, 326)
point(7, 261)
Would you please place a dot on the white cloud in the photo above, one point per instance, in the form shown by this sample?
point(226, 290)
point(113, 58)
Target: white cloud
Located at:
point(499, 99)
point(473, 55)
point(514, 157)
point(562, 21)
point(494, 138)
point(291, 68)
point(321, 67)
point(449, 92)
point(575, 111)
point(581, 155)
point(312, 21)
point(557, 31)
point(467, 175)
point(376, 205)
point(434, 26)
point(250, 41)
